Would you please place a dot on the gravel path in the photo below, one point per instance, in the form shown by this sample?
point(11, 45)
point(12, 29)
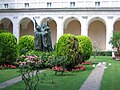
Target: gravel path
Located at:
point(93, 82)
point(12, 81)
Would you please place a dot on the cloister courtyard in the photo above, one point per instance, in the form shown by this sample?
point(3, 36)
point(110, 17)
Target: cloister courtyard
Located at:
point(59, 44)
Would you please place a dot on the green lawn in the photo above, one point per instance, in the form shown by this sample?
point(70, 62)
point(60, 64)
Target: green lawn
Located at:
point(8, 74)
point(102, 59)
point(69, 81)
point(111, 77)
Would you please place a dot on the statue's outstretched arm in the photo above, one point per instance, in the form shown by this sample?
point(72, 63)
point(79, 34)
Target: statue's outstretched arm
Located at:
point(35, 23)
point(38, 28)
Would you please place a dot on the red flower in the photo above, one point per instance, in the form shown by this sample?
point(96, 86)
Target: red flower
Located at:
point(13, 67)
point(82, 68)
point(56, 68)
point(5, 65)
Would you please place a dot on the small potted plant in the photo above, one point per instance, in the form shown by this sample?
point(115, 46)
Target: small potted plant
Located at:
point(115, 42)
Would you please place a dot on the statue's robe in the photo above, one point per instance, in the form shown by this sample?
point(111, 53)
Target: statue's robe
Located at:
point(46, 38)
point(38, 41)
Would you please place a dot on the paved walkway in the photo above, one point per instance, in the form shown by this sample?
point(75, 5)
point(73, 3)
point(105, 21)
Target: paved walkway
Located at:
point(93, 82)
point(12, 81)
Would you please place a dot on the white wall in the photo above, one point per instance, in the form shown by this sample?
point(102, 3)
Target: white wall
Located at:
point(58, 3)
point(60, 14)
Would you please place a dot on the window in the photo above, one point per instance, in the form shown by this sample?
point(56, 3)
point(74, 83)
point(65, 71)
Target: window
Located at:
point(5, 5)
point(72, 4)
point(49, 4)
point(26, 5)
point(97, 4)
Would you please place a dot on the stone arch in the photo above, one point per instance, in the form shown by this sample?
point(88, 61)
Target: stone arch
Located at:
point(116, 26)
point(97, 32)
point(26, 26)
point(6, 24)
point(72, 25)
point(53, 27)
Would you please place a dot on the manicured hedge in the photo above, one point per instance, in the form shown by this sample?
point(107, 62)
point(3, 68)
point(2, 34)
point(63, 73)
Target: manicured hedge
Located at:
point(85, 46)
point(102, 53)
point(8, 48)
point(26, 43)
point(67, 49)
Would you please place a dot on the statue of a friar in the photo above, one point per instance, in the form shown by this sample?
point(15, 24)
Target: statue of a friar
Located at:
point(42, 37)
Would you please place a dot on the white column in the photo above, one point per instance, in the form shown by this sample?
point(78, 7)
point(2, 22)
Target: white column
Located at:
point(16, 27)
point(59, 27)
point(84, 27)
point(109, 33)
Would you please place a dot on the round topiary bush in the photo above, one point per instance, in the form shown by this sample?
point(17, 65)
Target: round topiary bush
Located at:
point(86, 47)
point(26, 43)
point(66, 50)
point(8, 48)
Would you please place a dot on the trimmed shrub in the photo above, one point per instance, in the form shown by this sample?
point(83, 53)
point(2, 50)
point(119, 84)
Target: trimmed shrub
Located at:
point(66, 51)
point(85, 46)
point(3, 30)
point(102, 53)
point(26, 43)
point(8, 48)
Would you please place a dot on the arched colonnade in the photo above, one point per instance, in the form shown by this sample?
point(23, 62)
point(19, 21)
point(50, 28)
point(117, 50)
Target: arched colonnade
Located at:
point(99, 29)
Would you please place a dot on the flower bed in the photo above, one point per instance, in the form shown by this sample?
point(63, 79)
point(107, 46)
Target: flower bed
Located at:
point(59, 68)
point(87, 63)
point(9, 66)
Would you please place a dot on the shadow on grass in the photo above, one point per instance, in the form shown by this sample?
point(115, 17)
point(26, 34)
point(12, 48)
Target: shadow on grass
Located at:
point(66, 74)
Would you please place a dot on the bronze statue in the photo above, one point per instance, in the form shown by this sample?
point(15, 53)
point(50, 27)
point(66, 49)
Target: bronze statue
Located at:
point(42, 37)
point(46, 38)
